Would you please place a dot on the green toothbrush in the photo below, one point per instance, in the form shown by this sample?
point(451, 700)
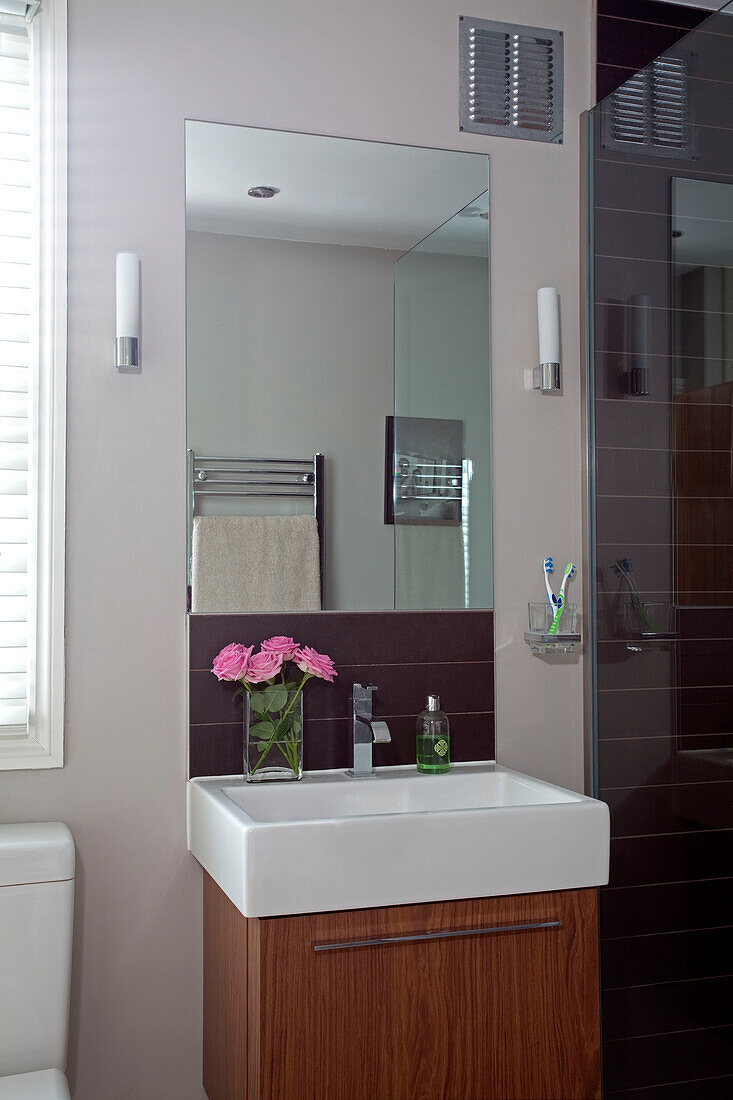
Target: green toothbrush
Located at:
point(568, 575)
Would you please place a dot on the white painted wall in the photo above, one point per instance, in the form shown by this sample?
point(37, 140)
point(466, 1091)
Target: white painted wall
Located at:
point(386, 70)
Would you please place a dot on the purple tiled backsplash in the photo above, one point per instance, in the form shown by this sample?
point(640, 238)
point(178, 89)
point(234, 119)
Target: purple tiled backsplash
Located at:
point(407, 654)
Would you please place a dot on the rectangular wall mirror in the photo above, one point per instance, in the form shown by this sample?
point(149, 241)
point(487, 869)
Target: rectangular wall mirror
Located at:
point(338, 374)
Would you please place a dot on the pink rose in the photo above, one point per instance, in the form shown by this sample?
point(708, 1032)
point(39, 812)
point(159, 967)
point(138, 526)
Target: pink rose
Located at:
point(232, 662)
point(263, 666)
point(282, 646)
point(316, 664)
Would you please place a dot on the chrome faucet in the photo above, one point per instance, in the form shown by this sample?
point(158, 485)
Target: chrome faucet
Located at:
point(367, 730)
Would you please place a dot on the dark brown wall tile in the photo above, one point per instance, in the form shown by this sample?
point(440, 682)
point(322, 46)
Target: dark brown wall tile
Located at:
point(679, 956)
point(687, 1056)
point(663, 808)
point(678, 1006)
point(653, 12)
point(417, 653)
point(400, 690)
point(385, 637)
point(676, 907)
point(631, 42)
point(676, 858)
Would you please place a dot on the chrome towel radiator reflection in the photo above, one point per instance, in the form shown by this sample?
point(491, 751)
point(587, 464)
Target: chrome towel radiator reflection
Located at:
point(255, 477)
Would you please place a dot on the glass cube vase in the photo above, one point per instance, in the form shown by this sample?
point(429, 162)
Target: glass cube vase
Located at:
point(273, 733)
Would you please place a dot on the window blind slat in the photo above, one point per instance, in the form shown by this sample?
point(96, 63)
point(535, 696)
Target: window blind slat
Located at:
point(13, 559)
point(14, 172)
point(13, 456)
point(13, 660)
point(14, 95)
point(13, 506)
point(13, 483)
point(15, 275)
point(13, 584)
point(14, 329)
point(15, 300)
point(13, 429)
point(11, 687)
point(15, 223)
point(16, 249)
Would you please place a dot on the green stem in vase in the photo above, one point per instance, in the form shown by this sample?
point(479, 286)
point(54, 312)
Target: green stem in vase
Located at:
point(266, 751)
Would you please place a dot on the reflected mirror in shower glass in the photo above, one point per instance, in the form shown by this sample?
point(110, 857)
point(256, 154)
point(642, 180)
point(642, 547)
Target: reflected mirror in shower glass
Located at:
point(702, 338)
point(336, 291)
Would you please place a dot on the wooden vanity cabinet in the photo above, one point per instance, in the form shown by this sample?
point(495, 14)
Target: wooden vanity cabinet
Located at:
point(485, 999)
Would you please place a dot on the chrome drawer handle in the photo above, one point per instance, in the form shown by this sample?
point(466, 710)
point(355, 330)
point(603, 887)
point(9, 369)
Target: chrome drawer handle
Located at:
point(422, 936)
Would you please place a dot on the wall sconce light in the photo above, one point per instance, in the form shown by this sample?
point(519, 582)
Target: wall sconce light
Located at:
point(127, 356)
point(547, 376)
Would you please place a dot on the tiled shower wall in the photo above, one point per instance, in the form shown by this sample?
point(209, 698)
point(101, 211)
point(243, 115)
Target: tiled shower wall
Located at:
point(407, 654)
point(631, 33)
point(663, 499)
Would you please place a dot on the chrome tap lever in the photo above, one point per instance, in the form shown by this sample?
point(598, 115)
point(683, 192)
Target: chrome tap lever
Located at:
point(366, 730)
point(382, 736)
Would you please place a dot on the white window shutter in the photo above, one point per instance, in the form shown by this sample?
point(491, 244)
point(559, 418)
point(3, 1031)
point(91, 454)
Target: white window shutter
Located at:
point(17, 321)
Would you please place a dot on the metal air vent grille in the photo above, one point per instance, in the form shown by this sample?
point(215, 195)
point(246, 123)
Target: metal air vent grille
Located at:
point(511, 80)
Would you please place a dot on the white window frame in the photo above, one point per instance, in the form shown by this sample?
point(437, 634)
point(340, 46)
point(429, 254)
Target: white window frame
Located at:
point(41, 744)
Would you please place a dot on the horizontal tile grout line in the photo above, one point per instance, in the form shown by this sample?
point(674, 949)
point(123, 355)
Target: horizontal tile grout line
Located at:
point(701, 175)
point(673, 687)
point(347, 718)
point(660, 214)
point(713, 544)
point(689, 77)
point(666, 882)
point(676, 784)
point(665, 737)
point(675, 1031)
point(655, 401)
point(665, 309)
point(665, 981)
point(672, 832)
point(666, 1084)
point(666, 932)
point(677, 640)
point(668, 787)
point(662, 496)
point(670, 450)
point(395, 664)
point(196, 616)
point(663, 355)
point(649, 260)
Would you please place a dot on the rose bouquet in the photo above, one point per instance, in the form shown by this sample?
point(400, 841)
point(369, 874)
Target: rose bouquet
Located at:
point(272, 682)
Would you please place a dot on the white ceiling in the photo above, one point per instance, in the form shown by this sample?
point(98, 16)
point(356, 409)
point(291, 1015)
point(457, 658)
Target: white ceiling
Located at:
point(332, 190)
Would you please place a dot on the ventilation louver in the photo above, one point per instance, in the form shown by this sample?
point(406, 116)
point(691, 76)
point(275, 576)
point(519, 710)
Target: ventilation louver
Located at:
point(511, 80)
point(650, 113)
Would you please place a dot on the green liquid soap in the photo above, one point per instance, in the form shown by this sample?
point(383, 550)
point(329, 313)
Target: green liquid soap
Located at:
point(433, 739)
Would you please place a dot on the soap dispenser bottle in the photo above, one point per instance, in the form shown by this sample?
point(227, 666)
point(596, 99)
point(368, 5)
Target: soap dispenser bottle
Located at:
point(433, 738)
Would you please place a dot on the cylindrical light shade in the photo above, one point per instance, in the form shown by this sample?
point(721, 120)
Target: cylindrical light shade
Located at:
point(128, 310)
point(548, 324)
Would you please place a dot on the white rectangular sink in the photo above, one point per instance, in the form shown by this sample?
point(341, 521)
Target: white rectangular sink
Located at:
point(334, 842)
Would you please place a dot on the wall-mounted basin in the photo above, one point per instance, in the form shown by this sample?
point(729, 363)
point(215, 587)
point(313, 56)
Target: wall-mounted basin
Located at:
point(334, 842)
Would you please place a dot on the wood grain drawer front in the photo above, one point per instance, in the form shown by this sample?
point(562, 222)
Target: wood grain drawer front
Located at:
point(486, 999)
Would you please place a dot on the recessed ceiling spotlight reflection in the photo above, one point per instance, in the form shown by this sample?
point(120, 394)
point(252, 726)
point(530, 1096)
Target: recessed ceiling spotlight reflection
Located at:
point(263, 192)
point(475, 212)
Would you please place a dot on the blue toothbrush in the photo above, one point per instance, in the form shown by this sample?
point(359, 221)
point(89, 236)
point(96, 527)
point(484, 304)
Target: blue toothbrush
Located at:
point(548, 566)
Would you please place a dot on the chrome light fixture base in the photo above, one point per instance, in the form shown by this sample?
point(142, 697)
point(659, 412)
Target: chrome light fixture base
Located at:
point(126, 353)
point(547, 378)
